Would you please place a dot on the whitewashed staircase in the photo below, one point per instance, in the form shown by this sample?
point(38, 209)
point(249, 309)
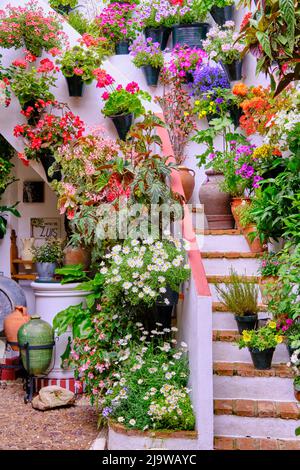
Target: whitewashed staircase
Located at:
point(254, 410)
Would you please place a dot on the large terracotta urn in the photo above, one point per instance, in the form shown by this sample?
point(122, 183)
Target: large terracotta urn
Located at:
point(13, 322)
point(187, 176)
point(77, 255)
point(216, 203)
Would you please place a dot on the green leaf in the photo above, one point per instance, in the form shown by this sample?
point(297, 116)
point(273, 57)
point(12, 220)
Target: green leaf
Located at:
point(264, 41)
point(297, 431)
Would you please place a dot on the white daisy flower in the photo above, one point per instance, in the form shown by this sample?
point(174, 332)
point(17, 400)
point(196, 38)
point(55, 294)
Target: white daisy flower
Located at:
point(132, 422)
point(103, 270)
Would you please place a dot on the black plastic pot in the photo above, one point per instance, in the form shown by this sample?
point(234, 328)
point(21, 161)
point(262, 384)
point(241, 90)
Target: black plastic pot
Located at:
point(290, 350)
point(212, 116)
point(151, 74)
point(165, 38)
point(223, 14)
point(122, 124)
point(75, 85)
point(35, 114)
point(262, 360)
point(233, 70)
point(163, 312)
point(156, 34)
point(235, 114)
point(188, 77)
point(47, 159)
point(122, 48)
point(190, 35)
point(246, 322)
point(63, 9)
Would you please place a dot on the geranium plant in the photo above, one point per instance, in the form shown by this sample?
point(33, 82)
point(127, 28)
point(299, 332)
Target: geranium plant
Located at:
point(264, 338)
point(269, 264)
point(222, 43)
point(30, 26)
point(82, 61)
point(184, 60)
point(146, 53)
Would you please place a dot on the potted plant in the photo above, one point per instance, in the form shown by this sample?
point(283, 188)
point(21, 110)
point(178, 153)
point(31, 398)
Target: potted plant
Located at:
point(46, 34)
point(78, 65)
point(185, 60)
point(240, 298)
point(63, 6)
point(297, 385)
point(32, 85)
point(269, 274)
point(249, 228)
point(47, 257)
point(222, 45)
point(122, 105)
point(291, 331)
point(61, 129)
point(222, 11)
point(148, 56)
point(117, 23)
point(177, 108)
point(261, 344)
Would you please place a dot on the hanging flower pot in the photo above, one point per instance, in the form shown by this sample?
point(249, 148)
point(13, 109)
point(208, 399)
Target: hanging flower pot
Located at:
point(190, 35)
point(262, 360)
point(187, 176)
point(47, 159)
point(233, 70)
point(156, 34)
point(151, 74)
point(222, 14)
point(33, 114)
point(123, 124)
point(215, 202)
point(246, 322)
point(165, 38)
point(75, 85)
point(122, 47)
point(235, 115)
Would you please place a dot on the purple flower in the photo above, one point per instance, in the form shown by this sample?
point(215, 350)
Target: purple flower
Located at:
point(207, 78)
point(256, 180)
point(106, 411)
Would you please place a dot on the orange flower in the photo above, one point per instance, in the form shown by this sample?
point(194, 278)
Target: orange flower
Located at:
point(258, 91)
point(240, 89)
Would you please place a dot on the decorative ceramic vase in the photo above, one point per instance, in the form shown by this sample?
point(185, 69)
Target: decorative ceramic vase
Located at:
point(236, 203)
point(13, 323)
point(123, 124)
point(36, 332)
point(262, 360)
point(27, 255)
point(190, 35)
point(75, 85)
point(45, 271)
point(216, 203)
point(77, 255)
point(187, 176)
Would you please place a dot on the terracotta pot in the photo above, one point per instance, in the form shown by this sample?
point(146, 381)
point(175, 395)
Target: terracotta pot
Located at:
point(264, 282)
point(237, 202)
point(216, 203)
point(297, 392)
point(255, 245)
point(13, 323)
point(77, 255)
point(187, 176)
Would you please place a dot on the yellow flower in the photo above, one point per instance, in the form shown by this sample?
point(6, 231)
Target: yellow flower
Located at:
point(272, 324)
point(197, 102)
point(186, 113)
point(279, 339)
point(246, 336)
point(212, 103)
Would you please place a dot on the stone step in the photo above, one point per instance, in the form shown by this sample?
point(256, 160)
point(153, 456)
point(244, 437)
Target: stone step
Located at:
point(213, 280)
point(228, 336)
point(222, 266)
point(250, 443)
point(253, 388)
point(227, 241)
point(230, 255)
point(274, 428)
point(242, 369)
point(228, 352)
point(220, 307)
point(257, 408)
point(226, 320)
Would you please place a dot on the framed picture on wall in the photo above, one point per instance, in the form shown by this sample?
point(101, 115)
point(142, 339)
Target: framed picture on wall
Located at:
point(45, 227)
point(33, 191)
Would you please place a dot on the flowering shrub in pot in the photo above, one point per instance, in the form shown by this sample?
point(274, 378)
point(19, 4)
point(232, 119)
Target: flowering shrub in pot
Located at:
point(47, 257)
point(185, 60)
point(78, 65)
point(222, 45)
point(261, 344)
point(117, 23)
point(121, 104)
point(30, 26)
point(148, 56)
point(50, 132)
point(32, 85)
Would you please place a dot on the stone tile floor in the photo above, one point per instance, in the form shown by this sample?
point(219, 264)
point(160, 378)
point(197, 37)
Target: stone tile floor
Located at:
point(23, 428)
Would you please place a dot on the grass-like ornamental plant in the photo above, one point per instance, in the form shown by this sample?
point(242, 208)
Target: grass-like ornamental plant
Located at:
point(238, 296)
point(146, 53)
point(49, 252)
point(264, 338)
point(149, 391)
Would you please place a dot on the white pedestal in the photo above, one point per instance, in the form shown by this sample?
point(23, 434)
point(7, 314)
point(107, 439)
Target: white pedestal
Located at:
point(51, 298)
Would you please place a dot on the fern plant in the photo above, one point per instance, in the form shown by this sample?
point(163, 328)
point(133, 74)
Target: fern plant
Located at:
point(238, 296)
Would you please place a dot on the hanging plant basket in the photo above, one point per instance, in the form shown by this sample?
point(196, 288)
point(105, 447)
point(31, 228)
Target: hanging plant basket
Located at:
point(122, 48)
point(47, 159)
point(190, 35)
point(222, 14)
point(123, 124)
point(160, 35)
point(246, 322)
point(151, 74)
point(262, 360)
point(235, 115)
point(233, 70)
point(75, 85)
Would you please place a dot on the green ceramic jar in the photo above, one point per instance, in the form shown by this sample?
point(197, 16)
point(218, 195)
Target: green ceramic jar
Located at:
point(36, 332)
